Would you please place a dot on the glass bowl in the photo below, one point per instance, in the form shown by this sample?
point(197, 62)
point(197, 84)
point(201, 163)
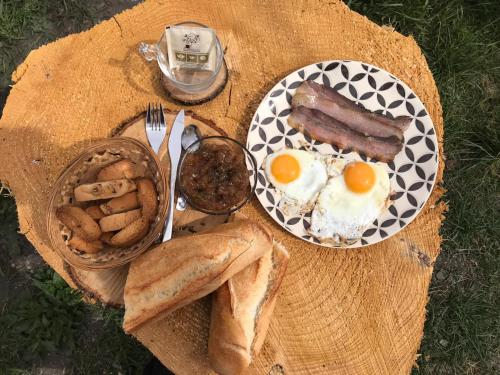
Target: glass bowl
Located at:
point(220, 176)
point(84, 169)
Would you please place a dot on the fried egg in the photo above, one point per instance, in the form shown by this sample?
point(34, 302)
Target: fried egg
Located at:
point(350, 202)
point(299, 176)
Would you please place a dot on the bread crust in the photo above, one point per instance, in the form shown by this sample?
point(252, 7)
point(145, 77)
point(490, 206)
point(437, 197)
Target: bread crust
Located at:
point(103, 190)
point(184, 269)
point(121, 204)
point(121, 169)
point(118, 221)
point(131, 234)
point(95, 212)
point(147, 197)
point(106, 237)
point(90, 247)
point(79, 222)
point(241, 312)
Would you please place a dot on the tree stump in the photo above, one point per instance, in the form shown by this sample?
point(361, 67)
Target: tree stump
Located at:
point(358, 311)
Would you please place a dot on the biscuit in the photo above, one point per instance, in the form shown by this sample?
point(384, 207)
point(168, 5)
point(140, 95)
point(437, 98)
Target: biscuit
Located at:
point(90, 247)
point(121, 169)
point(118, 221)
point(106, 237)
point(95, 212)
point(121, 204)
point(132, 233)
point(103, 190)
point(148, 199)
point(79, 222)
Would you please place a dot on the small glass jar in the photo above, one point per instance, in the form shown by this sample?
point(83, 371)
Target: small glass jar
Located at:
point(248, 167)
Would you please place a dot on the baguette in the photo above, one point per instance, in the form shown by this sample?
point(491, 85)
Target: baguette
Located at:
point(79, 222)
point(121, 169)
point(121, 204)
point(103, 190)
point(119, 221)
point(241, 311)
point(185, 269)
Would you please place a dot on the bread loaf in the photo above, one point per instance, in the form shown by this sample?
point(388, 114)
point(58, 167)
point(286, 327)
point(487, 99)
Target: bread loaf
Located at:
point(241, 311)
point(184, 269)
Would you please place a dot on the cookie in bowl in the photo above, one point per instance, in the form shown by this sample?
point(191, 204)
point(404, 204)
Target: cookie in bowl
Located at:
point(108, 206)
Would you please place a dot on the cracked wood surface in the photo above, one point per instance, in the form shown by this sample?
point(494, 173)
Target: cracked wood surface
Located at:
point(339, 311)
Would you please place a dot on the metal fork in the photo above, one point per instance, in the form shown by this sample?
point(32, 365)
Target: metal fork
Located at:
point(156, 129)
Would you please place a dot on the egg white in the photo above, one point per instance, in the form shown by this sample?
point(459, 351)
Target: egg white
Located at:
point(340, 214)
point(299, 195)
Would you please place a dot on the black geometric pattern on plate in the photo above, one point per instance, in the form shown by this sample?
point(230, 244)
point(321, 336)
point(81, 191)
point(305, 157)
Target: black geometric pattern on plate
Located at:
point(412, 173)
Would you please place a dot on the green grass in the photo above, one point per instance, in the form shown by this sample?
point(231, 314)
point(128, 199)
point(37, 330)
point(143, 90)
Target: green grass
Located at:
point(47, 316)
point(27, 24)
point(41, 314)
point(40, 320)
point(460, 40)
point(108, 350)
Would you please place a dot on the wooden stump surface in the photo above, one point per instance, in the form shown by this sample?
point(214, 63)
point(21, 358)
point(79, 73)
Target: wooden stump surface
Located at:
point(340, 311)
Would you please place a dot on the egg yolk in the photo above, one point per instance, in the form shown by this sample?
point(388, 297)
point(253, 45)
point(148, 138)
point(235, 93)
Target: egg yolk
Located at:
point(359, 177)
point(285, 168)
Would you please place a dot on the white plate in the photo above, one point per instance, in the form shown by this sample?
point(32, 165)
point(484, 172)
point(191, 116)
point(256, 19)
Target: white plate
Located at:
point(412, 173)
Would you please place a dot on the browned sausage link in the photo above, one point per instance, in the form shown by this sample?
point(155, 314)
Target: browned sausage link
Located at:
point(327, 100)
point(326, 129)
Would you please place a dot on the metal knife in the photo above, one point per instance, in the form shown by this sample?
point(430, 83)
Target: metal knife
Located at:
point(174, 151)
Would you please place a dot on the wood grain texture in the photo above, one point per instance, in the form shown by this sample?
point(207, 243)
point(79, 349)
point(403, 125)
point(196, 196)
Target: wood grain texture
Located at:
point(339, 311)
point(183, 98)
